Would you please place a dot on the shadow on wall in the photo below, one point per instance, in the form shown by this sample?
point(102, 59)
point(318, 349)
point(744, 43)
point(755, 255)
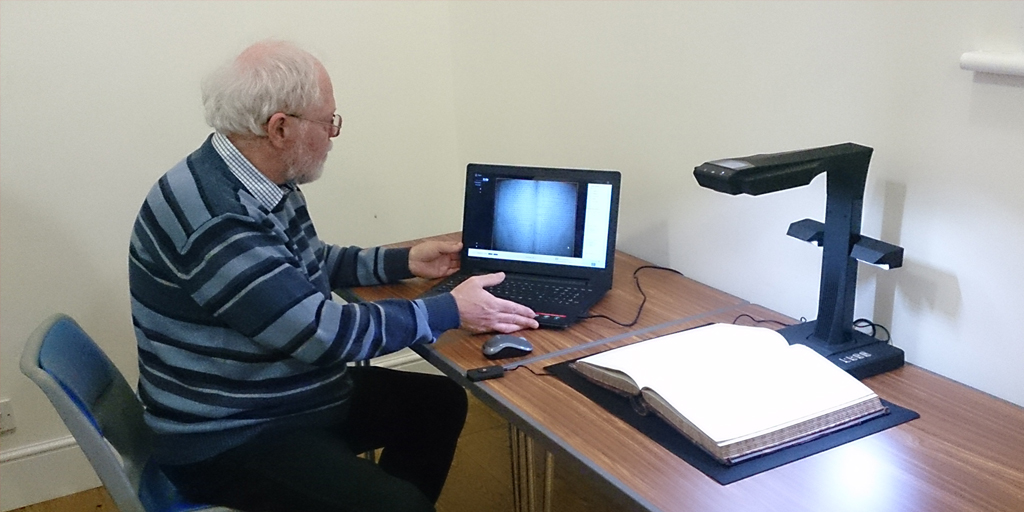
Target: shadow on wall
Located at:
point(996, 79)
point(893, 205)
point(991, 101)
point(650, 243)
point(924, 288)
point(51, 266)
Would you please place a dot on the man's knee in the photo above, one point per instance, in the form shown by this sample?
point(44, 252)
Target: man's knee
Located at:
point(453, 399)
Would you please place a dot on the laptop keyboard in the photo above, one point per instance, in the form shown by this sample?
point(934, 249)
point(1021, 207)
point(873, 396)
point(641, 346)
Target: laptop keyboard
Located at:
point(530, 292)
point(524, 291)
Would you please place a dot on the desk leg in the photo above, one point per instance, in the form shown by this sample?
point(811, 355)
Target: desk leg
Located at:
point(524, 477)
point(516, 442)
point(549, 479)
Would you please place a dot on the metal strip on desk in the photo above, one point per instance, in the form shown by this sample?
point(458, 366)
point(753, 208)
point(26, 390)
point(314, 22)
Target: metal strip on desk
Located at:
point(617, 337)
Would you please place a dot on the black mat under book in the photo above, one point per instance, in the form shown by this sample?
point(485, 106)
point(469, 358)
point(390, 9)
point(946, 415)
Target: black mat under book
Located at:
point(673, 441)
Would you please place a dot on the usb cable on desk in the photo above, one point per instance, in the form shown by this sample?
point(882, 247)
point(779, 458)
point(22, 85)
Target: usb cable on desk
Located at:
point(636, 279)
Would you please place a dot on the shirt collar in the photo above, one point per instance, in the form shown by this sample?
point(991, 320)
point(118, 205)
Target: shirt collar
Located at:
point(265, 191)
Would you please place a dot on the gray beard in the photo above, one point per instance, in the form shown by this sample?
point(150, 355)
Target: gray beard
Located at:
point(305, 169)
point(301, 177)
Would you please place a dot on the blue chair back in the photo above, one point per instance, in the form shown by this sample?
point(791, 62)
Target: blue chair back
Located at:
point(103, 414)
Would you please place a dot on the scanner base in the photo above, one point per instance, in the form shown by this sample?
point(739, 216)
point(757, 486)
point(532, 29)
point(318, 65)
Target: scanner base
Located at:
point(860, 355)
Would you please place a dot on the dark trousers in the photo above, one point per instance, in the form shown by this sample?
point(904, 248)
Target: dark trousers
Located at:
point(415, 418)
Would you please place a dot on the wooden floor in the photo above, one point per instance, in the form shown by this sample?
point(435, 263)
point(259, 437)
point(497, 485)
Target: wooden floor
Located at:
point(479, 481)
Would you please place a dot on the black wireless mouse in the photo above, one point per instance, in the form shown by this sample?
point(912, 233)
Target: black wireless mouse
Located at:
point(502, 346)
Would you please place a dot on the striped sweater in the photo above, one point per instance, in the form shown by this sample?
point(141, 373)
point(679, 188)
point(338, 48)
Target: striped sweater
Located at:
point(231, 303)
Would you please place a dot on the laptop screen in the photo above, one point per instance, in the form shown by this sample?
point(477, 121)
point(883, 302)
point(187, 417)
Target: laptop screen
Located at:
point(540, 219)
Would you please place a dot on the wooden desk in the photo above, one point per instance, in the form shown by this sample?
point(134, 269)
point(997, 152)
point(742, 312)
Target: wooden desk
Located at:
point(965, 452)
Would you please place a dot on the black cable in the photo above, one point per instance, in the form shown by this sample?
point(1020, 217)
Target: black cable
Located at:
point(640, 309)
point(862, 323)
point(756, 321)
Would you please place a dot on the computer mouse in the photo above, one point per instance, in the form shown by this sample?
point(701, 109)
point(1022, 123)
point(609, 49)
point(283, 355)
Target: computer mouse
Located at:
point(502, 346)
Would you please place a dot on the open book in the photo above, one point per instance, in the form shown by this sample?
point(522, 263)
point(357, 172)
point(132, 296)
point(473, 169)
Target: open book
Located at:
point(735, 391)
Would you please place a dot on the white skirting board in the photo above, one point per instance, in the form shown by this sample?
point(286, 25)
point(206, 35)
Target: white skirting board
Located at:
point(42, 472)
point(45, 471)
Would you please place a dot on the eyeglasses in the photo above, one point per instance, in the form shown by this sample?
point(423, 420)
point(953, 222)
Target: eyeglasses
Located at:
point(335, 123)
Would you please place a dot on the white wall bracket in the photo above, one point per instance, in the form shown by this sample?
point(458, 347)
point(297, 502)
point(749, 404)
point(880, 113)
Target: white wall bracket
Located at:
point(996, 63)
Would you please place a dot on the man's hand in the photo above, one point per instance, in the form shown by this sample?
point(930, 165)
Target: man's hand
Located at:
point(434, 259)
point(479, 311)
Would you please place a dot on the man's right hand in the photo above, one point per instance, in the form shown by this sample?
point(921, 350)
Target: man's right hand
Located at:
point(479, 311)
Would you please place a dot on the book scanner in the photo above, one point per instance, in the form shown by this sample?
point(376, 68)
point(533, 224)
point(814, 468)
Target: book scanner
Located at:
point(846, 166)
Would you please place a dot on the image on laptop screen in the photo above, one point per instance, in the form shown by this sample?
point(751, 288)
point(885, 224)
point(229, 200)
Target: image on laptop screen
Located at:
point(542, 216)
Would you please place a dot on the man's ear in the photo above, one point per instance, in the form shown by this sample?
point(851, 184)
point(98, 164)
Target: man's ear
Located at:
point(277, 131)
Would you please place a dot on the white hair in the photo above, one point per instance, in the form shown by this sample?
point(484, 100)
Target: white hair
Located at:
point(266, 78)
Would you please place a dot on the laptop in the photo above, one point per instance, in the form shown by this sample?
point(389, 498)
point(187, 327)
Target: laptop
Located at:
point(551, 231)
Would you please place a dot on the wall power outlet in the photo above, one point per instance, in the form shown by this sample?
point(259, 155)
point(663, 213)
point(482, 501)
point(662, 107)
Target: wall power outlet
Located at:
point(6, 416)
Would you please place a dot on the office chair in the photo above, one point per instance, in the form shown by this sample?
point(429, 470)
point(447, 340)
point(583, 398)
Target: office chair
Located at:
point(103, 414)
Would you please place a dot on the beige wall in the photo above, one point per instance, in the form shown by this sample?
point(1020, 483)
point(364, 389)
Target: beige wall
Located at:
point(97, 99)
point(656, 88)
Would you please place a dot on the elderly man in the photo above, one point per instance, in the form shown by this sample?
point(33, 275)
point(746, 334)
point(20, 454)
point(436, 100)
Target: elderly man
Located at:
point(243, 355)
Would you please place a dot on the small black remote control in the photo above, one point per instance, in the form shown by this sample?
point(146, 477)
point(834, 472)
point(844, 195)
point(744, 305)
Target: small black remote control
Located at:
point(485, 372)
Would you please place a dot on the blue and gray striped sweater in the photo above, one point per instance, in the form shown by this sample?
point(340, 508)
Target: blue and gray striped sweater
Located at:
point(231, 302)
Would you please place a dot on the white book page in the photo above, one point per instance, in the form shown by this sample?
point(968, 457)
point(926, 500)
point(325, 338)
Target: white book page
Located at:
point(734, 382)
point(706, 351)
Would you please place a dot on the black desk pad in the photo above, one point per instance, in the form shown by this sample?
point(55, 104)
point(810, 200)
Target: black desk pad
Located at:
point(670, 439)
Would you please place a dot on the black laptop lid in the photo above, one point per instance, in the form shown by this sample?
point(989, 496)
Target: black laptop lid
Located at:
point(542, 221)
